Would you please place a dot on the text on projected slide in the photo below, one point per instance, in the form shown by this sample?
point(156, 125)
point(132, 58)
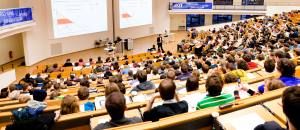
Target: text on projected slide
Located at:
point(135, 13)
point(77, 17)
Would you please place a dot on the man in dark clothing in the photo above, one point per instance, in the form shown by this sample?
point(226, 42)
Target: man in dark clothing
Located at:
point(160, 43)
point(68, 63)
point(115, 105)
point(171, 105)
point(291, 106)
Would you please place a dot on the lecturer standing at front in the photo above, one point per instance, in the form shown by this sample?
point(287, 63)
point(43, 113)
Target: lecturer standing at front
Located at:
point(160, 43)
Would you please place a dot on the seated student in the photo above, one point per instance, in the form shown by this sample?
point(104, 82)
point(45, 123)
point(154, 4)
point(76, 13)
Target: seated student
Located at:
point(68, 63)
point(34, 107)
point(269, 65)
point(144, 84)
point(26, 89)
point(251, 64)
point(242, 64)
point(28, 79)
point(230, 78)
point(270, 85)
point(81, 62)
point(115, 105)
point(24, 98)
point(231, 69)
point(77, 66)
point(53, 68)
point(83, 95)
point(291, 106)
point(171, 75)
point(69, 105)
point(13, 92)
point(171, 105)
point(215, 97)
point(4, 93)
point(110, 88)
point(192, 84)
point(184, 73)
point(260, 58)
point(99, 60)
point(286, 68)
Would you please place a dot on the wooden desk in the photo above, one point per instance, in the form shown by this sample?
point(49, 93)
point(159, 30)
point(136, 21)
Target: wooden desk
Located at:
point(276, 108)
point(238, 120)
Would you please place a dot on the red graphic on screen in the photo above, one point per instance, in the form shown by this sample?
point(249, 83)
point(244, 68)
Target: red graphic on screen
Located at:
point(63, 21)
point(126, 15)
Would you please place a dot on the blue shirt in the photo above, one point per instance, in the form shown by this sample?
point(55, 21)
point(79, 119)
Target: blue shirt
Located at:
point(288, 81)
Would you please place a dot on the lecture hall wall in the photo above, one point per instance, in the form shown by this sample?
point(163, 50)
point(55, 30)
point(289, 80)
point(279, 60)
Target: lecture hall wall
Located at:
point(12, 43)
point(39, 43)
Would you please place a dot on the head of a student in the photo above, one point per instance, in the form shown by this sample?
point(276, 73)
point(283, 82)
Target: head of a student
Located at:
point(279, 54)
point(39, 95)
point(85, 83)
point(167, 89)
point(171, 75)
point(184, 68)
point(286, 67)
point(273, 84)
point(27, 76)
point(269, 65)
point(230, 78)
point(141, 76)
point(242, 64)
point(205, 68)
point(83, 93)
point(26, 87)
point(214, 84)
point(291, 106)
point(247, 57)
point(230, 66)
point(296, 52)
point(196, 73)
point(4, 92)
point(69, 105)
point(192, 83)
point(110, 88)
point(115, 105)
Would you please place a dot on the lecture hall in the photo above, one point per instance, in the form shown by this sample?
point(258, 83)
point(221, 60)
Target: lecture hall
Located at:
point(149, 64)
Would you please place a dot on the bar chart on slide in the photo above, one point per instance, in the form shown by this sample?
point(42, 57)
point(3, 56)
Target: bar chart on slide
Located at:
point(77, 17)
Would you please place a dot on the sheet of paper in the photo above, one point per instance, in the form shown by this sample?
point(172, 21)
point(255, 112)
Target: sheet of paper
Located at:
point(139, 98)
point(247, 122)
point(250, 76)
point(99, 102)
point(81, 108)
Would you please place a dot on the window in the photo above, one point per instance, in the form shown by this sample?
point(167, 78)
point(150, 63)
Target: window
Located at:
point(221, 18)
point(243, 17)
point(223, 2)
point(252, 2)
point(195, 20)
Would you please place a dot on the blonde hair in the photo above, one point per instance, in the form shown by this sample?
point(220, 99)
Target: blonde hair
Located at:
point(69, 105)
point(273, 84)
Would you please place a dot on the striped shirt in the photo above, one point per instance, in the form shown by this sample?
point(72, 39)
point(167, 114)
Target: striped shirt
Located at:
point(209, 101)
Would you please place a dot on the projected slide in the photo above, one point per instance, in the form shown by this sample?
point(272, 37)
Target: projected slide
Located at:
point(77, 17)
point(135, 13)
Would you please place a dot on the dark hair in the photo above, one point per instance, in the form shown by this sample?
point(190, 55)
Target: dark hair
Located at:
point(83, 93)
point(141, 76)
point(122, 87)
point(291, 105)
point(260, 57)
point(230, 66)
point(4, 93)
point(214, 85)
point(192, 83)
point(115, 105)
point(242, 64)
point(280, 54)
point(85, 83)
point(39, 95)
point(269, 65)
point(297, 51)
point(167, 89)
point(247, 57)
point(205, 68)
point(286, 67)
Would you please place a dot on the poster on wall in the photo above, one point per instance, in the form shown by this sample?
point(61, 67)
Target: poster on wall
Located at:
point(10, 17)
point(192, 5)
